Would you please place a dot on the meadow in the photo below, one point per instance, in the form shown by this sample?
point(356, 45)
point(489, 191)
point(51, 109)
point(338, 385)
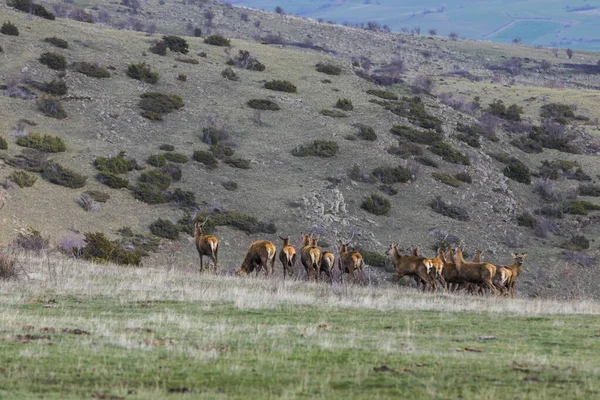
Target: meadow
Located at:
point(72, 329)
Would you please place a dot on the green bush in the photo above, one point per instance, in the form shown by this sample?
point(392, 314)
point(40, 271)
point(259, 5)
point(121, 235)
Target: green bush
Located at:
point(28, 6)
point(160, 103)
point(96, 195)
point(384, 94)
point(577, 243)
point(157, 160)
point(176, 44)
point(8, 28)
point(405, 150)
point(176, 157)
point(60, 175)
point(344, 104)
point(446, 179)
point(464, 177)
point(528, 145)
point(551, 169)
point(166, 147)
point(416, 136)
point(561, 113)
point(328, 69)
point(156, 178)
point(319, 148)
point(173, 170)
point(51, 107)
point(3, 143)
point(449, 153)
point(91, 70)
point(389, 190)
point(263, 104)
point(220, 151)
point(99, 249)
point(246, 61)
point(63, 44)
point(517, 171)
point(455, 212)
point(54, 61)
point(182, 77)
point(184, 198)
point(217, 40)
point(526, 219)
point(47, 143)
point(413, 108)
point(159, 48)
point(390, 175)
point(230, 185)
point(115, 165)
point(281, 86)
point(149, 194)
point(578, 207)
point(23, 178)
point(469, 134)
point(188, 60)
point(372, 258)
point(112, 180)
point(142, 72)
point(499, 109)
point(589, 190)
point(376, 204)
point(151, 115)
point(56, 87)
point(237, 162)
point(366, 132)
point(333, 113)
point(241, 221)
point(230, 74)
point(165, 229)
point(428, 162)
point(206, 158)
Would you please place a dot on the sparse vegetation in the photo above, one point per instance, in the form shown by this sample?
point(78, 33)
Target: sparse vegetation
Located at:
point(142, 72)
point(589, 190)
point(230, 74)
point(47, 143)
point(417, 136)
point(318, 148)
point(499, 109)
point(238, 220)
point(91, 70)
point(96, 195)
point(115, 165)
point(156, 178)
point(166, 147)
point(56, 87)
point(446, 179)
point(333, 113)
point(149, 194)
point(449, 210)
point(245, 61)
point(414, 109)
point(230, 185)
point(182, 77)
point(344, 104)
point(561, 113)
point(60, 175)
point(188, 60)
point(328, 69)
point(281, 86)
point(165, 229)
point(391, 175)
point(176, 157)
point(366, 132)
point(263, 104)
point(527, 220)
point(28, 6)
point(206, 158)
point(157, 160)
point(384, 94)
point(51, 107)
point(176, 44)
point(376, 204)
point(405, 149)
point(184, 198)
point(10, 29)
point(3, 143)
point(449, 153)
point(464, 177)
point(61, 43)
point(517, 171)
point(217, 40)
point(237, 162)
point(159, 103)
point(23, 178)
point(99, 248)
point(54, 61)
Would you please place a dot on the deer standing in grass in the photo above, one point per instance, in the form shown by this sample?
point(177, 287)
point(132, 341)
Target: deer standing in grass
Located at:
point(310, 256)
point(327, 264)
point(350, 261)
point(207, 245)
point(287, 256)
point(513, 271)
point(410, 266)
point(260, 254)
point(478, 273)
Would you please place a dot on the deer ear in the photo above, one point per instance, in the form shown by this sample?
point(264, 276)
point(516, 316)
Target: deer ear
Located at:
point(523, 255)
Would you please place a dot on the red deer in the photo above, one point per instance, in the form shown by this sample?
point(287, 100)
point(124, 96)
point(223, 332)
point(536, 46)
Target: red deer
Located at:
point(207, 245)
point(435, 267)
point(259, 255)
point(477, 273)
point(410, 266)
point(477, 256)
point(287, 256)
point(327, 264)
point(449, 272)
point(310, 256)
point(350, 261)
point(515, 270)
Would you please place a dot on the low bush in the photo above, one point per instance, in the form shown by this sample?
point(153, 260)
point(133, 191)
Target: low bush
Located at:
point(51, 107)
point(91, 70)
point(59, 175)
point(241, 221)
point(499, 109)
point(159, 48)
point(189, 60)
point(366, 132)
point(391, 175)
point(237, 162)
point(114, 165)
point(217, 40)
point(449, 153)
point(56, 87)
point(577, 243)
point(165, 229)
point(333, 113)
point(96, 195)
point(230, 185)
point(561, 113)
point(455, 212)
point(157, 160)
point(182, 77)
point(3, 143)
point(417, 136)
point(552, 169)
point(149, 194)
point(376, 204)
point(578, 207)
point(206, 158)
point(344, 104)
point(372, 258)
point(246, 61)
point(526, 219)
point(160, 103)
point(23, 178)
point(32, 241)
point(142, 72)
point(413, 108)
point(469, 134)
point(156, 178)
point(184, 198)
point(230, 74)
point(172, 170)
point(464, 177)
point(589, 190)
point(166, 147)
point(263, 104)
point(318, 148)
point(328, 69)
point(10, 29)
point(446, 179)
point(98, 248)
point(54, 61)
point(384, 94)
point(389, 190)
point(47, 143)
point(281, 86)
point(176, 157)
point(405, 149)
point(9, 266)
point(517, 171)
point(61, 43)
point(221, 151)
point(528, 145)
point(28, 6)
point(357, 174)
point(30, 160)
point(428, 162)
point(176, 44)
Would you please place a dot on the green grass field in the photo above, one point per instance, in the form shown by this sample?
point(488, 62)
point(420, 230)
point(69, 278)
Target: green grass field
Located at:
point(78, 330)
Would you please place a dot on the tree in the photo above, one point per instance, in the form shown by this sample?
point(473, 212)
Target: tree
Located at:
point(433, 32)
point(453, 35)
point(417, 30)
point(279, 10)
point(517, 40)
point(569, 53)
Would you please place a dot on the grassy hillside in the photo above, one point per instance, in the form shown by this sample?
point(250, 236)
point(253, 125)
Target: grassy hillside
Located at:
point(287, 194)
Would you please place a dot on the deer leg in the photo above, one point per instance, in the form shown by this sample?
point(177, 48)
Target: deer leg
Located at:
point(201, 266)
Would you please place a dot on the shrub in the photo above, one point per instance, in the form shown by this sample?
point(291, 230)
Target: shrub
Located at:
point(446, 179)
point(230, 74)
point(237, 162)
point(114, 165)
point(9, 267)
point(241, 221)
point(405, 150)
point(166, 147)
point(221, 151)
point(56, 87)
point(416, 136)
point(389, 175)
point(230, 185)
point(455, 212)
point(328, 69)
point(561, 113)
point(30, 160)
point(88, 204)
point(206, 158)
point(526, 219)
point(414, 109)
point(51, 107)
point(384, 94)
point(589, 190)
point(577, 243)
point(173, 170)
point(54, 61)
point(160, 103)
point(449, 153)
point(464, 177)
point(470, 134)
point(149, 193)
point(99, 249)
point(423, 84)
point(281, 86)
point(8, 28)
point(159, 48)
point(389, 190)
point(23, 178)
point(184, 198)
point(165, 229)
point(156, 178)
point(60, 175)
point(366, 132)
point(30, 7)
point(157, 160)
point(333, 113)
point(376, 204)
point(98, 196)
point(428, 162)
point(187, 60)
point(47, 143)
point(142, 72)
point(263, 104)
point(182, 77)
point(32, 240)
point(319, 148)
point(517, 171)
point(176, 44)
point(63, 44)
point(499, 109)
point(355, 173)
point(246, 61)
point(372, 258)
point(3, 143)
point(91, 70)
point(176, 157)
point(344, 104)
point(578, 207)
point(552, 169)
point(527, 145)
point(217, 40)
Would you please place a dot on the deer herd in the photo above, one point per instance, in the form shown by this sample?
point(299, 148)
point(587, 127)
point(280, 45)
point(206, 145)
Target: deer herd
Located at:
point(448, 269)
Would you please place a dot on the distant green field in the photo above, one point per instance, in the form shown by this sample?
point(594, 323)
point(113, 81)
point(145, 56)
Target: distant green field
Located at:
point(528, 31)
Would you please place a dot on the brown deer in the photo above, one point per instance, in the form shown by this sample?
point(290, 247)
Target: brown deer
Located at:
point(310, 256)
point(207, 245)
point(515, 270)
point(435, 267)
point(350, 261)
point(410, 266)
point(259, 255)
point(478, 273)
point(327, 264)
point(287, 256)
point(477, 256)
